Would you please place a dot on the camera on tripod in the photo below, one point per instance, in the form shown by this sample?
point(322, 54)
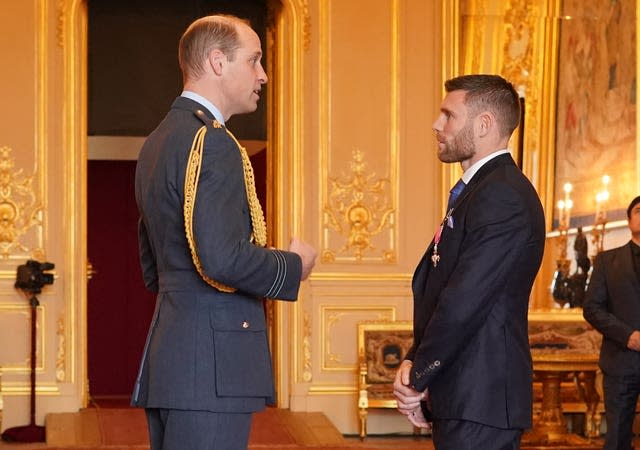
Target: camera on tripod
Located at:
point(31, 277)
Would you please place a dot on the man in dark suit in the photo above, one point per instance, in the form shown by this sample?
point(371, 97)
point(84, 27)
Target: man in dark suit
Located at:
point(469, 372)
point(612, 306)
point(206, 364)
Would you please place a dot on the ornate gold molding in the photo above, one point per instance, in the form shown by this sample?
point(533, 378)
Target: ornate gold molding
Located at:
point(60, 30)
point(307, 372)
point(285, 118)
point(307, 25)
point(359, 207)
point(520, 22)
point(336, 321)
point(20, 210)
point(60, 355)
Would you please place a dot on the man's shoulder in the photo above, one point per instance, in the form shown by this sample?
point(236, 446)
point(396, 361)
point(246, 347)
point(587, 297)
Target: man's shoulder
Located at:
point(612, 253)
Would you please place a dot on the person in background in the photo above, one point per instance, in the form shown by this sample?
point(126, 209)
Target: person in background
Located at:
point(469, 372)
point(612, 306)
point(206, 365)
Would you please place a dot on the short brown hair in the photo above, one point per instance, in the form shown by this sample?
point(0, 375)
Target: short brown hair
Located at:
point(489, 92)
point(203, 36)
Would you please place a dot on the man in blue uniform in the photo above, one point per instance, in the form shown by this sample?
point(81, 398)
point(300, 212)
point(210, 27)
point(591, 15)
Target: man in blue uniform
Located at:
point(206, 365)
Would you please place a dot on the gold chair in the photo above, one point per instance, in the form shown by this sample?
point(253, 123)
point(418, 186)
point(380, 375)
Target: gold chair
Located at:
point(381, 348)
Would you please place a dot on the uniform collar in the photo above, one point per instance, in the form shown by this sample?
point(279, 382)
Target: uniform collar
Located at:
point(206, 103)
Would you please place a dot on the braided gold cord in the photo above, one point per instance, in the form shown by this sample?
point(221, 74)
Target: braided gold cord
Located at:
point(257, 216)
point(191, 178)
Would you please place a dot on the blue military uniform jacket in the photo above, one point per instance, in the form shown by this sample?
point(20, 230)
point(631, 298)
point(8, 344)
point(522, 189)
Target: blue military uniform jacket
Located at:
point(206, 349)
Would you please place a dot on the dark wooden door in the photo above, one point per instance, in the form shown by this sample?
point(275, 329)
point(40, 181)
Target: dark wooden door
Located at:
point(119, 307)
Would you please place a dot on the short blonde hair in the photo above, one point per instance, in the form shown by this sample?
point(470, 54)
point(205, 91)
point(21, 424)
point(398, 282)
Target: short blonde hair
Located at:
point(204, 35)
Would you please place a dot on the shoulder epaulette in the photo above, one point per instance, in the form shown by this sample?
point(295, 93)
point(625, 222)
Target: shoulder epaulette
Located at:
point(206, 120)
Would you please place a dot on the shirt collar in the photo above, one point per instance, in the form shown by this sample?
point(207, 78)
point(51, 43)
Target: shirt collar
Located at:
point(471, 171)
point(206, 103)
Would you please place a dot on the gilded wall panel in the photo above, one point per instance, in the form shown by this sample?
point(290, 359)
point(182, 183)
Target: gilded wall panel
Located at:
point(338, 331)
point(21, 212)
point(360, 153)
point(42, 193)
point(15, 320)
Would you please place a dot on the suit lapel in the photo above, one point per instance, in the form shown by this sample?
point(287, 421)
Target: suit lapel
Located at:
point(490, 166)
point(627, 268)
point(424, 266)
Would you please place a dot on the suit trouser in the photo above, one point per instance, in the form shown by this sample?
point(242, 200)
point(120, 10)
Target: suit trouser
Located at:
point(620, 397)
point(464, 435)
point(173, 429)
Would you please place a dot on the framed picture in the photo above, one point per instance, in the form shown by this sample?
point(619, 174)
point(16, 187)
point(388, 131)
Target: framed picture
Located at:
point(595, 132)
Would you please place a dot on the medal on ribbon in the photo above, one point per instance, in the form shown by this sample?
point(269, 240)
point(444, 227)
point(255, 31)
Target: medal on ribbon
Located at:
point(435, 256)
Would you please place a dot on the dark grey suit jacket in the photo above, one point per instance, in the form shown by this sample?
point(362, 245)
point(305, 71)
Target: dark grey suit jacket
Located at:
point(612, 306)
point(206, 350)
point(471, 346)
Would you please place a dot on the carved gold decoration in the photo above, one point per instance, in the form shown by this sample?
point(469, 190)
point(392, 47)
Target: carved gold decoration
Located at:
point(91, 271)
point(307, 374)
point(307, 25)
point(332, 319)
point(61, 22)
point(20, 210)
point(337, 322)
point(359, 208)
point(474, 24)
point(60, 356)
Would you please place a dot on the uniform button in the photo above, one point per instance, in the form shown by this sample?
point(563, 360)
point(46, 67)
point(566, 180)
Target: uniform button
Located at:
point(436, 363)
point(245, 324)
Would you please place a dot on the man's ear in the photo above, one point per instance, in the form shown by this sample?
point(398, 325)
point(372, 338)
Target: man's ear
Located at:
point(216, 60)
point(484, 121)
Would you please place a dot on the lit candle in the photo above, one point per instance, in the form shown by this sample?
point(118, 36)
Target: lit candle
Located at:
point(561, 223)
point(605, 195)
point(601, 200)
point(568, 203)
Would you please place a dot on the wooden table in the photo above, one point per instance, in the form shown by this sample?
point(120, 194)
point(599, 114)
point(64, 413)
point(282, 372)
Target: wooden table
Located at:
point(549, 427)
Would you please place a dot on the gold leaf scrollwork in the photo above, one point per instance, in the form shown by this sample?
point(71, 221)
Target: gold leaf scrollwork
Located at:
point(307, 375)
point(19, 208)
point(519, 66)
point(359, 208)
point(60, 357)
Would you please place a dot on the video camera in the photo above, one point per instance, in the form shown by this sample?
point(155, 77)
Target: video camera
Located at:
point(31, 277)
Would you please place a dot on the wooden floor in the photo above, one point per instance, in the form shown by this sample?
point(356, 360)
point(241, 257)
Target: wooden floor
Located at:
point(114, 426)
point(117, 428)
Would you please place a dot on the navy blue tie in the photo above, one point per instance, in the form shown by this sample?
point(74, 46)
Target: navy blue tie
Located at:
point(454, 192)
